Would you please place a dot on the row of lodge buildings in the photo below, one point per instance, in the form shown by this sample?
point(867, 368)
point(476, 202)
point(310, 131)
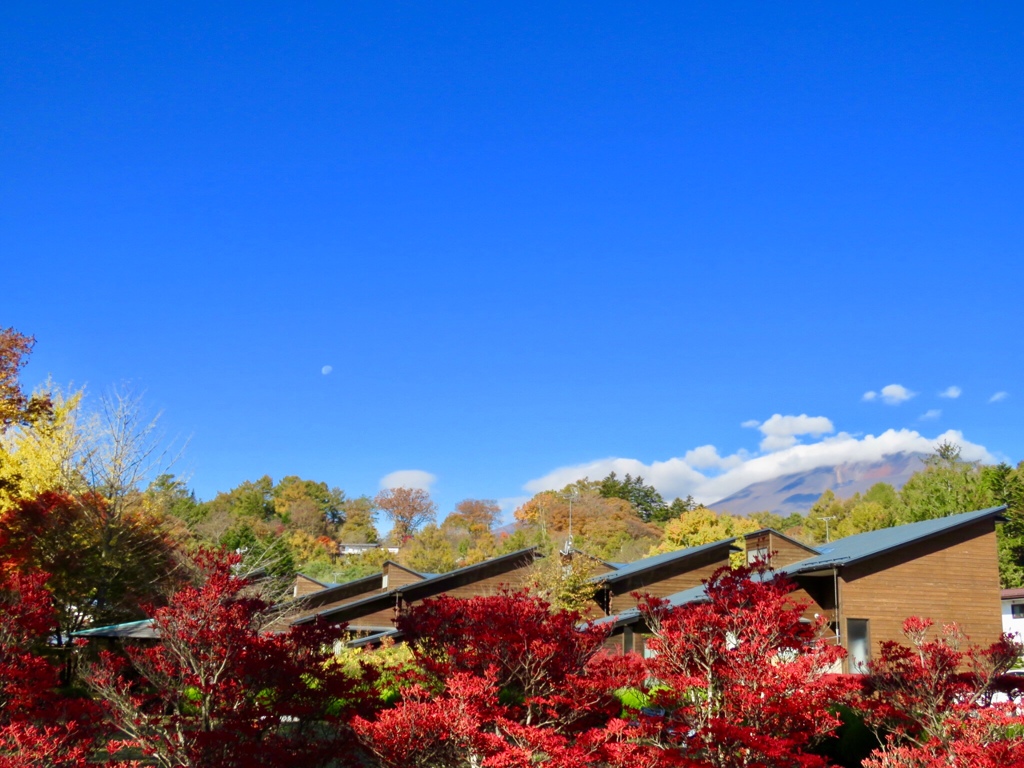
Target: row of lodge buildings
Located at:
point(865, 585)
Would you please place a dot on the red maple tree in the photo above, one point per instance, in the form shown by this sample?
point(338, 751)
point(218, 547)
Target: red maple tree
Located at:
point(501, 680)
point(741, 679)
point(942, 702)
point(39, 728)
point(218, 690)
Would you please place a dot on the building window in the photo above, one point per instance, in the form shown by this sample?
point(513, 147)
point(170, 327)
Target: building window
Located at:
point(858, 645)
point(757, 555)
point(1017, 610)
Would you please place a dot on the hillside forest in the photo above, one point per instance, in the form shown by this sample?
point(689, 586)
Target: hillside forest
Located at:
point(89, 485)
point(96, 529)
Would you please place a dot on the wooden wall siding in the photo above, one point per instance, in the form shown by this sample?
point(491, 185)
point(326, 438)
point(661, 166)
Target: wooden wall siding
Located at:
point(306, 586)
point(665, 581)
point(382, 618)
point(786, 552)
point(952, 578)
point(397, 576)
point(379, 613)
point(782, 551)
point(515, 578)
point(344, 600)
point(485, 579)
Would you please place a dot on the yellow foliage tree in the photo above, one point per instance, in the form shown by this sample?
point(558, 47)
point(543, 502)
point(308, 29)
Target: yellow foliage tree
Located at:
point(52, 454)
point(701, 526)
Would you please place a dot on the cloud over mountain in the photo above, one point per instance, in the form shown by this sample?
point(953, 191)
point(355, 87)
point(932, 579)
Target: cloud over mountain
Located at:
point(707, 476)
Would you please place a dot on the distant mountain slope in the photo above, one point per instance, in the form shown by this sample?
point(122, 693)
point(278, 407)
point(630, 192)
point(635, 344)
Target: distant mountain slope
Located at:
point(797, 492)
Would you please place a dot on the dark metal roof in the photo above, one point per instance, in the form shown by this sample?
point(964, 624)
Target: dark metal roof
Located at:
point(650, 563)
point(362, 642)
point(432, 584)
point(863, 546)
point(852, 549)
point(139, 630)
point(324, 584)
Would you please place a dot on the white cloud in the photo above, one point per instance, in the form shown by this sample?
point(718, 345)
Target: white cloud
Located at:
point(408, 478)
point(678, 477)
point(751, 424)
point(781, 432)
point(998, 396)
point(891, 394)
point(931, 413)
point(951, 392)
point(706, 457)
point(326, 370)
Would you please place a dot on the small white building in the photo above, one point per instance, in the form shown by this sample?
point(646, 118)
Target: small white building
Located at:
point(1013, 612)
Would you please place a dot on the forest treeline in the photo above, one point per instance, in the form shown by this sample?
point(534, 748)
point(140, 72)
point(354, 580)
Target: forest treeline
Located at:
point(103, 470)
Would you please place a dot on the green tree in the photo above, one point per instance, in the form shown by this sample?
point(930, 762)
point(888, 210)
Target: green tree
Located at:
point(564, 581)
point(824, 518)
point(946, 486)
point(309, 506)
point(169, 496)
point(884, 494)
point(645, 499)
point(250, 500)
point(359, 527)
point(1007, 486)
point(676, 509)
point(429, 551)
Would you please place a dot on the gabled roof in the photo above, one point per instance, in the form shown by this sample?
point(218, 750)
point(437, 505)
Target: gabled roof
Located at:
point(852, 549)
point(863, 546)
point(429, 585)
point(401, 567)
point(324, 584)
point(650, 563)
point(336, 590)
point(438, 582)
point(781, 535)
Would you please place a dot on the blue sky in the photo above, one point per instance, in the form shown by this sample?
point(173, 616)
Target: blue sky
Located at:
point(523, 238)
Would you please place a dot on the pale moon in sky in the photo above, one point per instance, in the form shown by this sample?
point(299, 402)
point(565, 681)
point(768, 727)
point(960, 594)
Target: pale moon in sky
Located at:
point(326, 369)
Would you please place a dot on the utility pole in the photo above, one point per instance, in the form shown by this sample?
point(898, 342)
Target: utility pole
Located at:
point(571, 496)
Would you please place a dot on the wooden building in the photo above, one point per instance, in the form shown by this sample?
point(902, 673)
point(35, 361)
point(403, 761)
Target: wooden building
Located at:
point(369, 605)
point(867, 585)
point(660, 575)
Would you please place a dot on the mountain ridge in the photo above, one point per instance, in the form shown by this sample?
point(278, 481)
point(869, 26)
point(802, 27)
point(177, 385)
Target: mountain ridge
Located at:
point(796, 492)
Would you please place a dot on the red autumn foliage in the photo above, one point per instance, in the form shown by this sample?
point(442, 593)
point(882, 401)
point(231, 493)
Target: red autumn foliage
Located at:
point(937, 701)
point(515, 681)
point(218, 691)
point(101, 567)
point(38, 727)
point(742, 680)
